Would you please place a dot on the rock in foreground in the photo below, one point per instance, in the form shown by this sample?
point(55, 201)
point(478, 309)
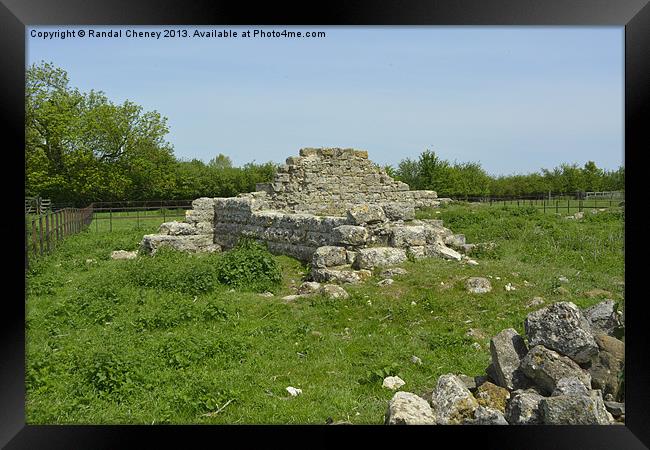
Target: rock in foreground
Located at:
point(563, 328)
point(409, 409)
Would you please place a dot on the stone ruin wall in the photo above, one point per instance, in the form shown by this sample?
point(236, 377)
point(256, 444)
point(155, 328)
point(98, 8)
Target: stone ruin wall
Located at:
point(374, 223)
point(329, 181)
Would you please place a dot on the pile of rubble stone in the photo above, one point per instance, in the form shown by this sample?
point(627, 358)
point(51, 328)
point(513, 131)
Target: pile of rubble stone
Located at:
point(567, 370)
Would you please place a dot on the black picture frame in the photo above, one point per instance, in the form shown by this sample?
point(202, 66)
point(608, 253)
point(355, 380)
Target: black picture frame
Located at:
point(16, 15)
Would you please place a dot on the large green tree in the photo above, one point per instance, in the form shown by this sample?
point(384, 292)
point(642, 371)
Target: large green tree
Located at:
point(81, 147)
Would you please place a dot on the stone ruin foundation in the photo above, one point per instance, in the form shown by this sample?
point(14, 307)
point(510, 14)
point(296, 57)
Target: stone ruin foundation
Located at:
point(330, 207)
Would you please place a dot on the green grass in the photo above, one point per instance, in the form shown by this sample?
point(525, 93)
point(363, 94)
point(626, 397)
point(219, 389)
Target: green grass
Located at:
point(104, 345)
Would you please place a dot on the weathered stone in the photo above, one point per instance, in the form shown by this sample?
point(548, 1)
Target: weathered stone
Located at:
point(469, 382)
point(487, 416)
point(327, 256)
point(603, 317)
point(407, 236)
point(333, 291)
point(492, 396)
point(452, 402)
point(366, 213)
point(563, 328)
point(406, 408)
point(575, 410)
point(393, 383)
point(176, 228)
point(570, 386)
point(385, 282)
point(340, 274)
point(507, 349)
point(368, 258)
point(440, 250)
point(607, 365)
point(398, 211)
point(523, 408)
point(616, 409)
point(294, 392)
point(456, 241)
point(123, 254)
point(545, 368)
point(309, 287)
point(491, 373)
point(478, 285)
point(350, 235)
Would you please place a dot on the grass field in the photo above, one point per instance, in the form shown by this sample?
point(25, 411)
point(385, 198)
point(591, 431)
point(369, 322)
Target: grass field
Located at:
point(157, 340)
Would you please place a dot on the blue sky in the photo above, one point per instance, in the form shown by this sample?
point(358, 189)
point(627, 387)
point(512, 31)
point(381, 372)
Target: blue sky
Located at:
point(515, 99)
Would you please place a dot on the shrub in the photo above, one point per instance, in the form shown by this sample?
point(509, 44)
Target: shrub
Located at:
point(249, 266)
point(176, 271)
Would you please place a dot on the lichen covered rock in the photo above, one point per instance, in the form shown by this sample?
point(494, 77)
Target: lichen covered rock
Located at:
point(406, 408)
point(452, 402)
point(478, 285)
point(563, 328)
point(507, 349)
point(369, 258)
point(545, 368)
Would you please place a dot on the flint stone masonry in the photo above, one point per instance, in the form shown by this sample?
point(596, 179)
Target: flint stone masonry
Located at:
point(330, 207)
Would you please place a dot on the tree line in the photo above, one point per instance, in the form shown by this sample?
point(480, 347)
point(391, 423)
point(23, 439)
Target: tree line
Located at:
point(469, 179)
point(81, 147)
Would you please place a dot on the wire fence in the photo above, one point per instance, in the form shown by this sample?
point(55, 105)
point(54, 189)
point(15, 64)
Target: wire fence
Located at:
point(107, 214)
point(46, 227)
point(558, 203)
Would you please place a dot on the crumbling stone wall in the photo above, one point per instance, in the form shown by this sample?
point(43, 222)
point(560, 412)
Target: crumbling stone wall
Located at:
point(372, 223)
point(296, 235)
point(331, 180)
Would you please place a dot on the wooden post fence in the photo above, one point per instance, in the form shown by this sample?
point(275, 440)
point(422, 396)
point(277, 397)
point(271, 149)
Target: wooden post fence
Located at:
point(43, 233)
